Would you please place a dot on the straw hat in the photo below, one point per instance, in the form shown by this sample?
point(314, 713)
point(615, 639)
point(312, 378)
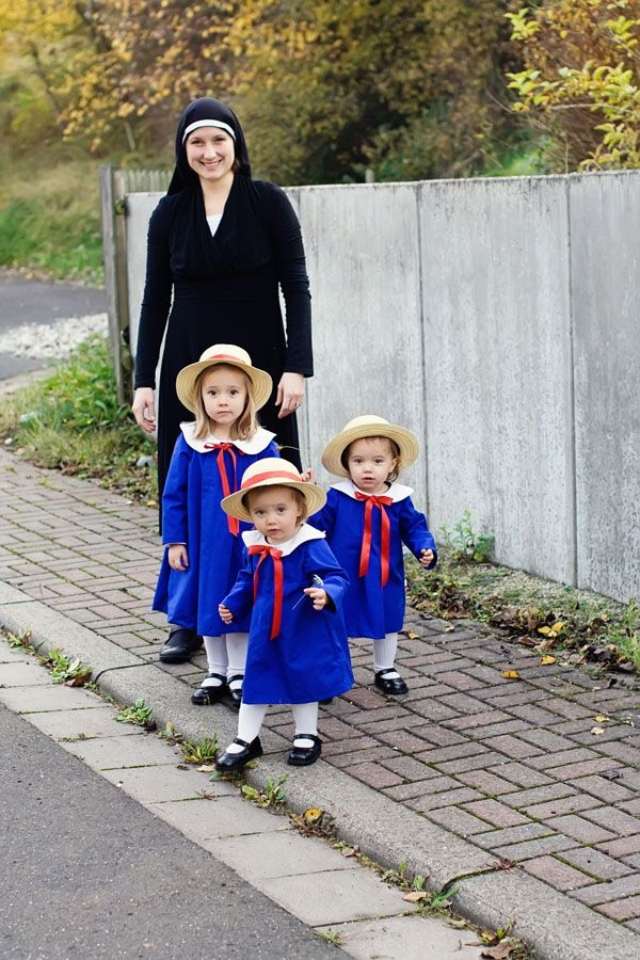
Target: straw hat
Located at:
point(369, 426)
point(271, 472)
point(229, 355)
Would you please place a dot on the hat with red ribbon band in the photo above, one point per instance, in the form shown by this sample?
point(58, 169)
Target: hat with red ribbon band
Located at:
point(369, 426)
point(227, 354)
point(272, 472)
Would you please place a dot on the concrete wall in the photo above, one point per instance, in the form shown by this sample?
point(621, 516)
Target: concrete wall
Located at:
point(498, 320)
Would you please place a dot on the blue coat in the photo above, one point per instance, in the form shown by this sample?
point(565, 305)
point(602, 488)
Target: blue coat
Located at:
point(370, 609)
point(191, 514)
point(309, 658)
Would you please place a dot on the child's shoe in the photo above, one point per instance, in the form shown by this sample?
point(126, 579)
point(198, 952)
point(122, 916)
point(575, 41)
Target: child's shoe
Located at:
point(235, 761)
point(234, 685)
point(300, 756)
point(209, 693)
point(390, 682)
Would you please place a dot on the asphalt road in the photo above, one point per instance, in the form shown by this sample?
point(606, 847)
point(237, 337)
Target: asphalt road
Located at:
point(88, 872)
point(39, 301)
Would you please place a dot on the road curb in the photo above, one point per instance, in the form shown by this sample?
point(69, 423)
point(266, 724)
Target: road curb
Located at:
point(384, 830)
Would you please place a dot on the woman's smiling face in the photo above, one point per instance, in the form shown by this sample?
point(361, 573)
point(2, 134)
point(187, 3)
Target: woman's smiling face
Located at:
point(210, 153)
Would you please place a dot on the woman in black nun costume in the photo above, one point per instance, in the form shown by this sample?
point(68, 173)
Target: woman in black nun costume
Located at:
point(224, 245)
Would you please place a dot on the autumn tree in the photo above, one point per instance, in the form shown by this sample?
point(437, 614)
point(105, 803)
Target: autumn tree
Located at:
point(411, 90)
point(580, 82)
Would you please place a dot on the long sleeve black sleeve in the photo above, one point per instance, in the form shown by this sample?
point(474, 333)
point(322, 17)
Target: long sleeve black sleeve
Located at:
point(294, 282)
point(157, 297)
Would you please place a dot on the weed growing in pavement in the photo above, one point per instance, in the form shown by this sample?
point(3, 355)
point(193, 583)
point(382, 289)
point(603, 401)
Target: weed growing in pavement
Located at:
point(139, 713)
point(199, 751)
point(71, 672)
point(331, 936)
point(272, 796)
point(467, 544)
point(17, 640)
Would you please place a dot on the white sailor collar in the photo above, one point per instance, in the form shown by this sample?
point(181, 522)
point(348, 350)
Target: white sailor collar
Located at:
point(255, 444)
point(305, 533)
point(397, 491)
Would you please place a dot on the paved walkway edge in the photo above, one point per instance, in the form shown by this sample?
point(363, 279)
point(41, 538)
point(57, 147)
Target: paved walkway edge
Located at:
point(382, 829)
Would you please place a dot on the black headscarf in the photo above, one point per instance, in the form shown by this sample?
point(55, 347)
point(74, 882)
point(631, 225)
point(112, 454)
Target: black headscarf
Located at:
point(241, 241)
point(206, 108)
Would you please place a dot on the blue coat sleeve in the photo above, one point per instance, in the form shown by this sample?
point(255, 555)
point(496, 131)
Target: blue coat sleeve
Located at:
point(240, 597)
point(325, 519)
point(320, 560)
point(415, 532)
point(175, 525)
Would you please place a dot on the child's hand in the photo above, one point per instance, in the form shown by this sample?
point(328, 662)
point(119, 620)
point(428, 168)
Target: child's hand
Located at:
point(307, 475)
point(178, 557)
point(318, 597)
point(224, 613)
point(426, 557)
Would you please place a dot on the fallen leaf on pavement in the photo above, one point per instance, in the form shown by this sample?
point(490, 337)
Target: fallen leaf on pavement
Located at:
point(602, 718)
point(411, 635)
point(596, 731)
point(206, 768)
point(511, 674)
point(415, 896)
point(348, 851)
point(502, 951)
point(547, 660)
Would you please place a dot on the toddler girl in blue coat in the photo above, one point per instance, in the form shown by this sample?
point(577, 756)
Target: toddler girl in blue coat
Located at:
point(203, 549)
point(368, 516)
point(298, 650)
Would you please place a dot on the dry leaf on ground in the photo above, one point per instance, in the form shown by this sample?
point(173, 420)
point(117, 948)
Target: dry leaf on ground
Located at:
point(501, 951)
point(596, 731)
point(415, 896)
point(511, 674)
point(547, 660)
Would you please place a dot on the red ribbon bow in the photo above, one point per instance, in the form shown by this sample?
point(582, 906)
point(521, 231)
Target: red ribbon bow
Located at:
point(365, 549)
point(222, 448)
point(264, 550)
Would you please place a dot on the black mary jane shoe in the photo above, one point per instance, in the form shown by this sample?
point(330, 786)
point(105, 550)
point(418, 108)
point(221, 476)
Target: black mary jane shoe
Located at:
point(304, 756)
point(235, 693)
point(391, 686)
point(235, 761)
point(206, 696)
point(181, 645)
point(326, 701)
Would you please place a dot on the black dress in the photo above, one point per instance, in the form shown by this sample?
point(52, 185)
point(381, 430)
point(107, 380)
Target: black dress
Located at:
point(225, 290)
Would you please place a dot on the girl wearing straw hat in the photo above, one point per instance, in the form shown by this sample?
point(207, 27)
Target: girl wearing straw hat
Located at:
point(203, 549)
point(298, 650)
point(367, 518)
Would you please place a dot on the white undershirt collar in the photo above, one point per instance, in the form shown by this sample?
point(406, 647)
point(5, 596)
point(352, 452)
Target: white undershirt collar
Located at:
point(255, 444)
point(397, 491)
point(303, 535)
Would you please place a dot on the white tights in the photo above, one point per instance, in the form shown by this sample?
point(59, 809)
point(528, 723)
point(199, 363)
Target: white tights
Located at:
point(251, 716)
point(384, 654)
point(226, 655)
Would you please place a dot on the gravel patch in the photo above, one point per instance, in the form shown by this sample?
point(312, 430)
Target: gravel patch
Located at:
point(52, 341)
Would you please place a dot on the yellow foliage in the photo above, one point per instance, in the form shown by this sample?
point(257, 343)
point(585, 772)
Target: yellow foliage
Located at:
point(581, 79)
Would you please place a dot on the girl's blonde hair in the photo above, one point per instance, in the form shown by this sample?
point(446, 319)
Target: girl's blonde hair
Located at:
point(246, 424)
point(393, 447)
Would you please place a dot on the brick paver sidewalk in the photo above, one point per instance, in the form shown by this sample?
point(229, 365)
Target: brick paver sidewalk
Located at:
point(521, 768)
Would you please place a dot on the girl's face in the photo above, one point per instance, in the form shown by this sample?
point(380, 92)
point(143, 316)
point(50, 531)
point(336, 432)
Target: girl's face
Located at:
point(210, 152)
point(276, 513)
point(370, 461)
point(224, 395)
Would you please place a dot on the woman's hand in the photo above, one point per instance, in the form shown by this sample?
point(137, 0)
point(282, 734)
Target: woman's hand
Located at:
point(178, 557)
point(290, 394)
point(144, 408)
point(426, 557)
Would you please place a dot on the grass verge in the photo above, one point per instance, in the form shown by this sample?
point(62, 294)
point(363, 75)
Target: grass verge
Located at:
point(50, 222)
point(71, 421)
point(548, 616)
